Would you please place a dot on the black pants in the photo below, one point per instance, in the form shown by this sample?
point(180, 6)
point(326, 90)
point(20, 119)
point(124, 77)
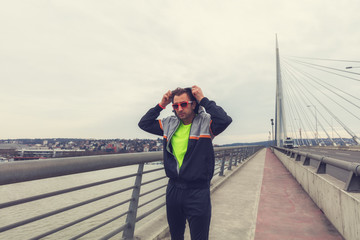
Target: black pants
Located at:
point(188, 202)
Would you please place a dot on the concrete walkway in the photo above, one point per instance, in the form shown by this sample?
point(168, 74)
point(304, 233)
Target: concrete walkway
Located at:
point(235, 203)
point(261, 200)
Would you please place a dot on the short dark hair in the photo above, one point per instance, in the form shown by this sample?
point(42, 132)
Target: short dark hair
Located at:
point(179, 91)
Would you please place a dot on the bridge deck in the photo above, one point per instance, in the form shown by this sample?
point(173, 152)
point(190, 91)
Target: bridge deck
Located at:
point(285, 210)
point(263, 201)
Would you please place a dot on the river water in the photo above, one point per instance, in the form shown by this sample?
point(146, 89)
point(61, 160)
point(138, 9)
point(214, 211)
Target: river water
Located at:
point(25, 211)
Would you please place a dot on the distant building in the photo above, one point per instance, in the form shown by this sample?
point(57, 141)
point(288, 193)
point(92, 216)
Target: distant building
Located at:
point(47, 153)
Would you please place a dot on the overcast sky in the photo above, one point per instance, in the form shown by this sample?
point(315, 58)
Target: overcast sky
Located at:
point(91, 69)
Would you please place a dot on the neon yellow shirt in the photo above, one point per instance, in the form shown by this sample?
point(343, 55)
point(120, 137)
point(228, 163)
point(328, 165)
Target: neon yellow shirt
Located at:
point(179, 142)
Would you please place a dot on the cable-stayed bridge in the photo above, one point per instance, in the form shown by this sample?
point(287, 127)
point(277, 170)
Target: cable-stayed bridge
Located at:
point(309, 192)
point(318, 101)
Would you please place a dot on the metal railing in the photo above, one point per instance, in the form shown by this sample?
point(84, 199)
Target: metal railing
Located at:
point(351, 170)
point(24, 172)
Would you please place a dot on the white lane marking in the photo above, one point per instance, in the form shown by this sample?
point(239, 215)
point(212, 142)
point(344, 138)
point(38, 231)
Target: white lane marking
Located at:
point(347, 154)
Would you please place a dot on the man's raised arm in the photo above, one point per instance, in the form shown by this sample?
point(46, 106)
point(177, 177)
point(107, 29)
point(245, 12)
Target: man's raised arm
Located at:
point(149, 121)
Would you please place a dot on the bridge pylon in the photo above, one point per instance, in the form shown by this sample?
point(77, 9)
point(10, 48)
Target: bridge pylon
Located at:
point(280, 126)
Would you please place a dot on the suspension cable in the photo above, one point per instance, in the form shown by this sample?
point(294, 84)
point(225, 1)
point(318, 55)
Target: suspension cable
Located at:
point(350, 132)
point(326, 59)
point(328, 71)
point(319, 122)
point(306, 115)
point(322, 66)
point(317, 100)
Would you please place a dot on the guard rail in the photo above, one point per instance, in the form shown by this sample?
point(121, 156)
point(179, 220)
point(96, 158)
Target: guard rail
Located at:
point(20, 172)
point(352, 180)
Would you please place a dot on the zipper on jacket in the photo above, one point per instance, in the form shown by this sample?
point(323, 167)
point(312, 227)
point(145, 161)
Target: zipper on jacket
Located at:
point(167, 147)
point(169, 141)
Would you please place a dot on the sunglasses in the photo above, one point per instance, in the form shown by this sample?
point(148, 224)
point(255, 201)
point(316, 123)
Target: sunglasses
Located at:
point(182, 104)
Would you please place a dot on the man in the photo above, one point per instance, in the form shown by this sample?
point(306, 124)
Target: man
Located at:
point(188, 156)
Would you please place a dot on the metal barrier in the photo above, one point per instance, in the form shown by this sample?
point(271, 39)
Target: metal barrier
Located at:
point(352, 181)
point(19, 172)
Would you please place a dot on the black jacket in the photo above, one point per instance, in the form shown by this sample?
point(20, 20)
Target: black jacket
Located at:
point(199, 160)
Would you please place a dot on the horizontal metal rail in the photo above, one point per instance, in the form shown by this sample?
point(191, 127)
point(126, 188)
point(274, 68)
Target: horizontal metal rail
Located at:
point(22, 171)
point(352, 182)
point(17, 172)
point(55, 193)
point(81, 220)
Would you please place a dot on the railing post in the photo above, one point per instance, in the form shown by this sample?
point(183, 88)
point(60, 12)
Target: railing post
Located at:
point(306, 161)
point(236, 156)
point(353, 182)
point(221, 173)
point(230, 161)
point(321, 168)
point(243, 155)
point(131, 217)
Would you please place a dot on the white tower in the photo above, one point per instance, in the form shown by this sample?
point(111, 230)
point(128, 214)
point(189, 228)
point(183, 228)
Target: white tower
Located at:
point(280, 129)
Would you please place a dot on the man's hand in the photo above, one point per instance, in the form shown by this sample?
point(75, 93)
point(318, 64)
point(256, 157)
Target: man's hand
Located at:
point(197, 92)
point(166, 99)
